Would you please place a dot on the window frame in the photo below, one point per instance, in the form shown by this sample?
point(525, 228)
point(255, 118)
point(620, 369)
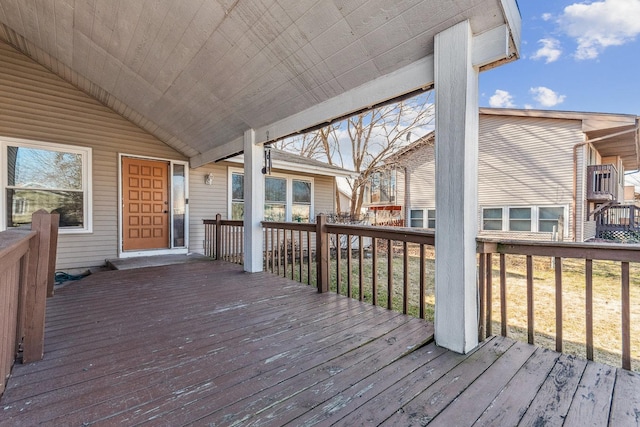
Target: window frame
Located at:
point(535, 218)
point(86, 154)
point(289, 189)
point(412, 218)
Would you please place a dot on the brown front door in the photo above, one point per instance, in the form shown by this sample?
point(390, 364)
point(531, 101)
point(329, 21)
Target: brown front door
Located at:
point(145, 209)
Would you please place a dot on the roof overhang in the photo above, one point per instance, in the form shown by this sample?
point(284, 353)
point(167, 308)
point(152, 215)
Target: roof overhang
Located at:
point(197, 75)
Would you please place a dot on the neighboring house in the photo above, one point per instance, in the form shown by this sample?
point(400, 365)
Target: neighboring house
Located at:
point(119, 190)
point(539, 172)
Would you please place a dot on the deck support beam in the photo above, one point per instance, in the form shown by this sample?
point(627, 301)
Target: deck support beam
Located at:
point(456, 100)
point(253, 203)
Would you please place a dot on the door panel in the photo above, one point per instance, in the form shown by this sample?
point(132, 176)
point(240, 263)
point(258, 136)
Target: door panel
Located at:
point(145, 210)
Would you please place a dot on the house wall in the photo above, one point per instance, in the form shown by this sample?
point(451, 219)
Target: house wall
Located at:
point(35, 104)
point(527, 161)
point(523, 161)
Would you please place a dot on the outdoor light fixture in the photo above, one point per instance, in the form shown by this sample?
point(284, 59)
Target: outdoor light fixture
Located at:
point(208, 178)
point(267, 160)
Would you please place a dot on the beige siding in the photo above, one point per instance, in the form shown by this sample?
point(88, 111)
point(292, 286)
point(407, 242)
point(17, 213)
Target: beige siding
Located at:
point(525, 161)
point(37, 105)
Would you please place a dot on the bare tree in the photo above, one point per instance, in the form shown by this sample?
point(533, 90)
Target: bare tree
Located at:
point(361, 142)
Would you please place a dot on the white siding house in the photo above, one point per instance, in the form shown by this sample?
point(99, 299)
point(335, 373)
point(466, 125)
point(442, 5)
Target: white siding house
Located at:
point(533, 168)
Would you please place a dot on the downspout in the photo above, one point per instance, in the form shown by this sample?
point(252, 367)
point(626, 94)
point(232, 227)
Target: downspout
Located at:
point(574, 226)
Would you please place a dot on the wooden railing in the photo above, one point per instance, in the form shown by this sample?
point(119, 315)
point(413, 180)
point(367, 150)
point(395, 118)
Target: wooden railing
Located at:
point(393, 267)
point(27, 263)
point(602, 182)
point(224, 239)
point(618, 222)
point(558, 254)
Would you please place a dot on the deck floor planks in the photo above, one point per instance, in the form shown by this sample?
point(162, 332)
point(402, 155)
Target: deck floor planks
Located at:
point(427, 405)
point(473, 401)
point(208, 343)
point(510, 405)
point(625, 405)
point(592, 401)
point(551, 404)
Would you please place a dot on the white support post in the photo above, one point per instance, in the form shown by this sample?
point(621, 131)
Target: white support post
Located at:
point(456, 100)
point(253, 203)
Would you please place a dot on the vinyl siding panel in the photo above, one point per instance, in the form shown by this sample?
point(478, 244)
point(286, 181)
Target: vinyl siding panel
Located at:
point(525, 161)
point(37, 105)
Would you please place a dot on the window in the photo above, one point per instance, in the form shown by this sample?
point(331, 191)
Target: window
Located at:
point(536, 219)
point(237, 196)
point(492, 219)
point(382, 187)
point(275, 199)
point(549, 217)
point(431, 218)
point(46, 176)
point(416, 218)
point(285, 198)
point(301, 209)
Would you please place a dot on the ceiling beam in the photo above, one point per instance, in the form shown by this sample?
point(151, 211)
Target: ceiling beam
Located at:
point(489, 47)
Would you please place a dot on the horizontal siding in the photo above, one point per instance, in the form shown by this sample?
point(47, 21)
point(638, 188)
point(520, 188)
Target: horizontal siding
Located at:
point(37, 105)
point(525, 161)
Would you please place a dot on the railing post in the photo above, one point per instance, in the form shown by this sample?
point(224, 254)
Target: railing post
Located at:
point(322, 254)
point(41, 255)
point(218, 236)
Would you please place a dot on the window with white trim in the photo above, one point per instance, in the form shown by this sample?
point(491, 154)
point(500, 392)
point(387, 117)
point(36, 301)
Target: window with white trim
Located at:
point(53, 177)
point(286, 198)
point(431, 218)
point(532, 219)
point(422, 218)
point(520, 219)
point(416, 218)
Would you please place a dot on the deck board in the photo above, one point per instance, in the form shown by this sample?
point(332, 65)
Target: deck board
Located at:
point(207, 344)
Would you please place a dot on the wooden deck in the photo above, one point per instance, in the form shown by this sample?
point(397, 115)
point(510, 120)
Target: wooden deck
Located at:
point(207, 344)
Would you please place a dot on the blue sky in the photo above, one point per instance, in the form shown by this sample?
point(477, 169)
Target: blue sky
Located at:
point(575, 56)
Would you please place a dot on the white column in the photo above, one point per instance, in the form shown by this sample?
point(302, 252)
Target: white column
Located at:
point(456, 89)
point(253, 203)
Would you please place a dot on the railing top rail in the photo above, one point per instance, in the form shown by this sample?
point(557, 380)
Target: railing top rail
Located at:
point(234, 222)
point(301, 226)
point(12, 239)
point(390, 233)
point(583, 250)
point(606, 166)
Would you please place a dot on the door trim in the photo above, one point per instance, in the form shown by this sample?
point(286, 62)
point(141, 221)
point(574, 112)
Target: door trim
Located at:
point(120, 204)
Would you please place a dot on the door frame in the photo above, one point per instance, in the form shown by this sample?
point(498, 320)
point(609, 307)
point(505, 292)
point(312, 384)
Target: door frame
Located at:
point(171, 250)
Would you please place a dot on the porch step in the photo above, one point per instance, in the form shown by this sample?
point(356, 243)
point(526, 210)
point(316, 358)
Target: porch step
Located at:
point(155, 261)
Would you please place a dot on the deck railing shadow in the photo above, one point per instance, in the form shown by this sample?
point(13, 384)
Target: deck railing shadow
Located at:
point(27, 268)
point(394, 267)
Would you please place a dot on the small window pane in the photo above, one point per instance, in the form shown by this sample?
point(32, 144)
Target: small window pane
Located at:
point(275, 190)
point(275, 212)
point(237, 186)
point(492, 213)
point(492, 219)
point(301, 191)
point(417, 218)
point(520, 219)
point(39, 168)
point(301, 213)
point(549, 218)
point(237, 210)
point(431, 218)
point(21, 204)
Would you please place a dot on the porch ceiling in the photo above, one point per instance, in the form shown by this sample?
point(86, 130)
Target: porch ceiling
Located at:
point(197, 74)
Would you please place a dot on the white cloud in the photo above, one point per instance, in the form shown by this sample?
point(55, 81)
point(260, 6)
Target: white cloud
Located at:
point(546, 97)
point(598, 25)
point(528, 107)
point(546, 16)
point(550, 50)
point(501, 99)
